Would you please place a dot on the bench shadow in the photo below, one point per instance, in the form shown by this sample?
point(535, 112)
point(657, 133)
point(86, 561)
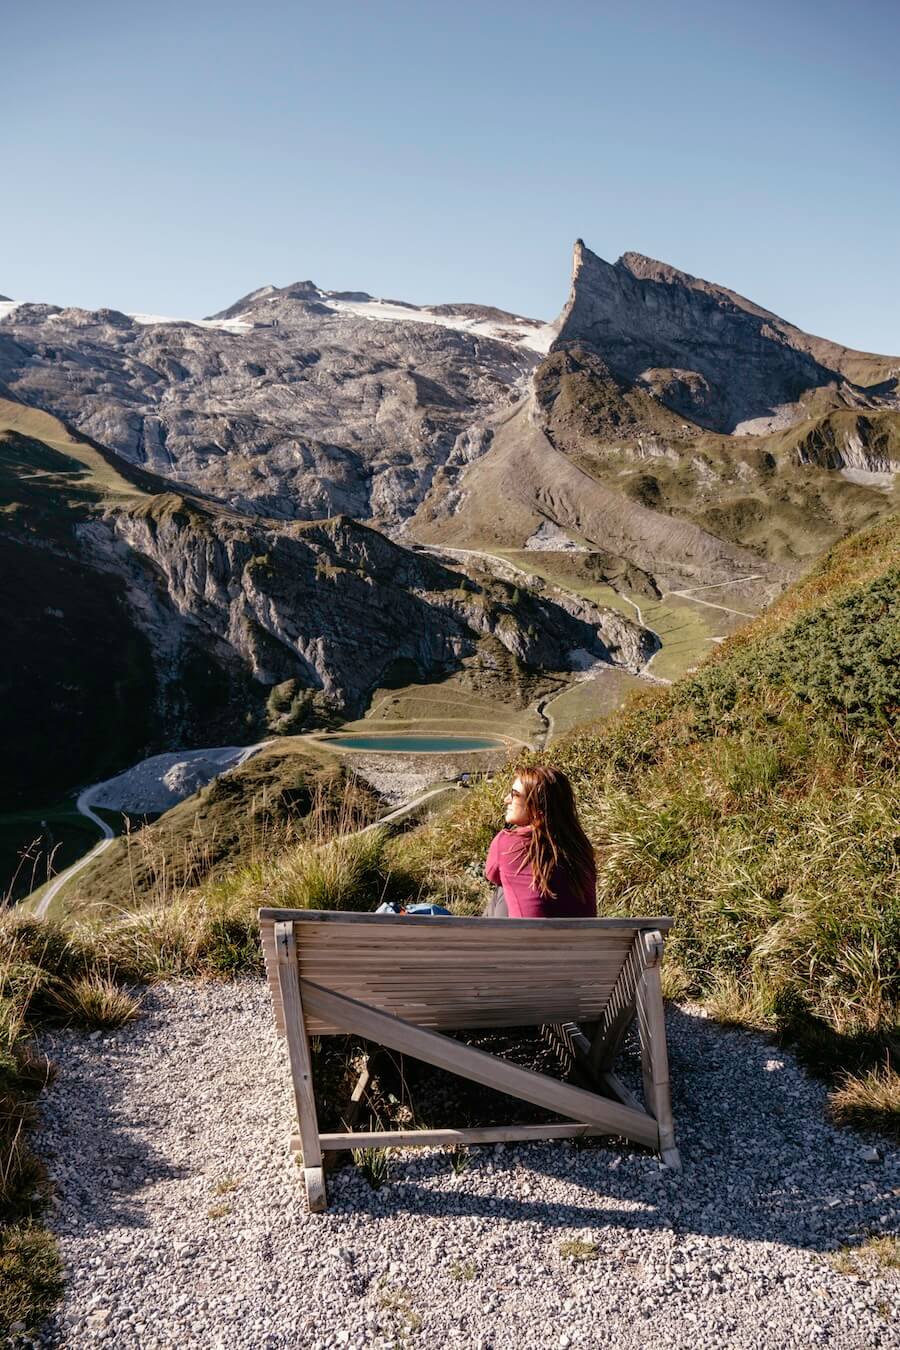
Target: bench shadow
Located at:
point(761, 1159)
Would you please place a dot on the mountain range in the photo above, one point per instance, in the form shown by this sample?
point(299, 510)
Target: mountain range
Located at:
point(199, 513)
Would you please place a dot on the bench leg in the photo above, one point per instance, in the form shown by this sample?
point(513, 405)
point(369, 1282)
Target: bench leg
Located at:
point(314, 1185)
point(655, 1061)
point(301, 1067)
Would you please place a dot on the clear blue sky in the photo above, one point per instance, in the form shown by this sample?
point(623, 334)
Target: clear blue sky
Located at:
point(169, 157)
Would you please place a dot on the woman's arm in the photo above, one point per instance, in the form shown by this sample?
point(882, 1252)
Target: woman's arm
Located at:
point(492, 866)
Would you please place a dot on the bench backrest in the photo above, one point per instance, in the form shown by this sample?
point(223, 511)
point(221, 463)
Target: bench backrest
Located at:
point(449, 973)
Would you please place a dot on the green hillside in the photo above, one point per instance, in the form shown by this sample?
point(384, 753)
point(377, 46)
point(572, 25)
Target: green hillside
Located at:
point(771, 494)
point(252, 813)
point(757, 801)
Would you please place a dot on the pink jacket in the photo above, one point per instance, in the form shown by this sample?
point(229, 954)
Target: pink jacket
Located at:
point(576, 897)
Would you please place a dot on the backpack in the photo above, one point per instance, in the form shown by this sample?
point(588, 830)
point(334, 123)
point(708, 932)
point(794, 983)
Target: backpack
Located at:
point(391, 907)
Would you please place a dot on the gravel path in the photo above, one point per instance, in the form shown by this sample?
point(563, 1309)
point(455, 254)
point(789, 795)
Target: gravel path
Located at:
point(181, 1220)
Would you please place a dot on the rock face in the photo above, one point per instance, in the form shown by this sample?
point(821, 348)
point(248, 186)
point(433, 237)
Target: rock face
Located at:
point(295, 403)
point(333, 605)
point(705, 352)
point(142, 617)
point(868, 443)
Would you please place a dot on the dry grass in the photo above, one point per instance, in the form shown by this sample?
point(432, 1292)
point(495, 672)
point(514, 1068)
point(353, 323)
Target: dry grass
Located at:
point(741, 1003)
point(96, 1000)
point(579, 1251)
point(30, 1269)
point(285, 795)
point(676, 983)
point(51, 974)
point(880, 1253)
point(869, 1101)
point(30, 1275)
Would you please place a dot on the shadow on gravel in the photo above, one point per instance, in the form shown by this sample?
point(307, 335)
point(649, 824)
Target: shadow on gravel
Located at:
point(101, 1162)
point(761, 1160)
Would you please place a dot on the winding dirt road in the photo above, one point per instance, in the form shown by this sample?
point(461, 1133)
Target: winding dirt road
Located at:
point(84, 805)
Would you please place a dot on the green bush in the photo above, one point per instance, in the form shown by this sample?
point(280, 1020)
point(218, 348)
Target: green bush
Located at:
point(842, 661)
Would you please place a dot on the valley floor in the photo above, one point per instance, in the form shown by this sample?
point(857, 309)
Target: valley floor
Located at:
point(180, 1217)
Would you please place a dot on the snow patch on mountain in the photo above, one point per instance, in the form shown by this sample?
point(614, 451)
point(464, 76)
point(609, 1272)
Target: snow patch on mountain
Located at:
point(229, 325)
point(519, 332)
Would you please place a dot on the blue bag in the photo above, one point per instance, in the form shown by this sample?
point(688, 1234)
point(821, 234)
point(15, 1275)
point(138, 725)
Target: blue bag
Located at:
point(391, 907)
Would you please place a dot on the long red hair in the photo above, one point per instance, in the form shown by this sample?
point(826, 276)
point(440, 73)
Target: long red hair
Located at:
point(556, 838)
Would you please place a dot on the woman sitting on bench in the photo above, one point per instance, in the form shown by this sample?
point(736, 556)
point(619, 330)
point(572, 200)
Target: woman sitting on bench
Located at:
point(542, 858)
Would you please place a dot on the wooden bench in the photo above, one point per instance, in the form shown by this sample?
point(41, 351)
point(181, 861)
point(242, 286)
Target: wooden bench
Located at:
point(403, 981)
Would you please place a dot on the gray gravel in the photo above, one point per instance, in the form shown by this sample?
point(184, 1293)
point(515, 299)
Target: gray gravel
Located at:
point(396, 785)
point(181, 1221)
point(156, 784)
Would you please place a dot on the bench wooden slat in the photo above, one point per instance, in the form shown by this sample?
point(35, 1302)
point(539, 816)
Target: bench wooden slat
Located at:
point(342, 918)
point(448, 973)
point(482, 1134)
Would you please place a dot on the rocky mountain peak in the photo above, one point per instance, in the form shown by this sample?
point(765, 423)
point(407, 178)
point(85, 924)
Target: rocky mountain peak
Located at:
point(651, 269)
point(267, 296)
point(302, 290)
point(644, 317)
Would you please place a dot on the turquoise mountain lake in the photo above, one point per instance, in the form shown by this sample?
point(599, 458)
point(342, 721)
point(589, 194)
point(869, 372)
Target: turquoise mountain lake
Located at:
point(417, 743)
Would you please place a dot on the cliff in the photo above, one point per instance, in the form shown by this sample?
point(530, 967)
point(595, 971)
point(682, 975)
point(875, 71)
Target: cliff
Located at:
point(142, 617)
point(705, 352)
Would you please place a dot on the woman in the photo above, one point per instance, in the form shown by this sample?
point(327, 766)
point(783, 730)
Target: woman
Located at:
point(542, 858)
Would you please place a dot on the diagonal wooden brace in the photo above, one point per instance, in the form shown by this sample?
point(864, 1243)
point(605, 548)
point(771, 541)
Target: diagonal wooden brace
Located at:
point(363, 1020)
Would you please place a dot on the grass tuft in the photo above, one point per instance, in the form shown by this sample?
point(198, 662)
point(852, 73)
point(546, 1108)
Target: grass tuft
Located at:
point(881, 1252)
point(95, 1000)
point(31, 1279)
point(869, 1101)
point(460, 1160)
point(375, 1165)
point(397, 1303)
point(578, 1250)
